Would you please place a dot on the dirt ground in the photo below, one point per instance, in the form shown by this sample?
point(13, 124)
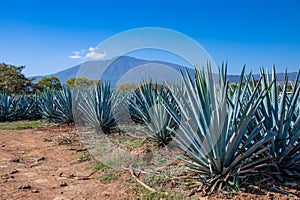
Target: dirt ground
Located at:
point(43, 163)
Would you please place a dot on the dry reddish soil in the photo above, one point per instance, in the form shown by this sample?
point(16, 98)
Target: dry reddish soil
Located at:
point(43, 163)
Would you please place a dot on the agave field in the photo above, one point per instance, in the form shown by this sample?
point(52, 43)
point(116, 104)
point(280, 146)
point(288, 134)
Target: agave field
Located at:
point(226, 134)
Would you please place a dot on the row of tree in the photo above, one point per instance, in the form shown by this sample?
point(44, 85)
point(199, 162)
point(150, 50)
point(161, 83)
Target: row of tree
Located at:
point(13, 81)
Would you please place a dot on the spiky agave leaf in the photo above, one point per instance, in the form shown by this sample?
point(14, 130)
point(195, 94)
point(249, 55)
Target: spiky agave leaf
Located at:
point(7, 112)
point(96, 105)
point(64, 104)
point(48, 108)
point(35, 110)
point(56, 105)
point(147, 105)
point(18, 107)
point(213, 131)
point(141, 95)
point(121, 109)
point(23, 105)
point(279, 108)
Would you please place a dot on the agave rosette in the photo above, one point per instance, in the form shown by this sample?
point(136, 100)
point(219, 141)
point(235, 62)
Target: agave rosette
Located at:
point(279, 108)
point(147, 106)
point(96, 105)
point(213, 130)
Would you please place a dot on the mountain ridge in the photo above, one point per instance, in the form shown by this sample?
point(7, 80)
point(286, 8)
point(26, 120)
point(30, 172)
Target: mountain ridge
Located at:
point(120, 66)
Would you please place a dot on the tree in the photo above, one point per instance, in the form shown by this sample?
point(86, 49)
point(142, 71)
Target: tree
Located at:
point(127, 86)
point(52, 83)
point(71, 82)
point(12, 80)
point(79, 82)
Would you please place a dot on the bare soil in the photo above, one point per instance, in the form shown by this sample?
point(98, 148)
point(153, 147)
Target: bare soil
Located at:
point(44, 163)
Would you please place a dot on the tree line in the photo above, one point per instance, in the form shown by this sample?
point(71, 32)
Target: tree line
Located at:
point(13, 81)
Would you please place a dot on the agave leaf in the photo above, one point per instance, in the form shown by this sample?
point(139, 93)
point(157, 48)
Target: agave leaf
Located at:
point(97, 108)
point(148, 105)
point(279, 109)
point(213, 130)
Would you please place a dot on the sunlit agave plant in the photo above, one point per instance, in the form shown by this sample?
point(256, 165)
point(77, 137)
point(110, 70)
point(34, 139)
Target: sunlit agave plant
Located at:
point(64, 104)
point(23, 105)
point(7, 111)
point(35, 112)
point(96, 105)
point(48, 109)
point(141, 98)
point(213, 130)
point(56, 105)
point(279, 109)
point(147, 104)
point(18, 107)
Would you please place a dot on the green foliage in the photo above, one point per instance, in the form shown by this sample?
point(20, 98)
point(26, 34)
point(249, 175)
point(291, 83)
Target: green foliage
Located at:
point(71, 82)
point(35, 111)
point(26, 107)
point(84, 156)
point(57, 105)
point(48, 109)
point(64, 104)
point(128, 141)
point(227, 132)
point(50, 83)
point(109, 176)
point(126, 86)
point(7, 112)
point(79, 82)
point(12, 80)
point(99, 166)
point(96, 106)
point(146, 106)
point(279, 109)
point(142, 99)
point(213, 130)
point(18, 107)
point(21, 125)
point(165, 181)
point(159, 195)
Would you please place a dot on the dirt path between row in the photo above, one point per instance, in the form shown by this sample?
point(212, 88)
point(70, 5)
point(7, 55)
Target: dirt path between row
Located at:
point(43, 164)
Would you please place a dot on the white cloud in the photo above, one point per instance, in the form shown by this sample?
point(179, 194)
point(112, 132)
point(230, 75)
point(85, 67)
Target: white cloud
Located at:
point(75, 57)
point(91, 55)
point(77, 52)
point(94, 55)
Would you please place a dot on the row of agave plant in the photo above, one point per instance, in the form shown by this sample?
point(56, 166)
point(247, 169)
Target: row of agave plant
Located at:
point(18, 107)
point(52, 105)
point(226, 133)
point(93, 106)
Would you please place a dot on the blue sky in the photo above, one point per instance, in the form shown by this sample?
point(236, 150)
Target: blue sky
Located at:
point(42, 35)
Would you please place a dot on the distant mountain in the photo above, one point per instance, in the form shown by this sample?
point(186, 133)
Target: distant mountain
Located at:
point(128, 69)
point(63, 75)
point(114, 70)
